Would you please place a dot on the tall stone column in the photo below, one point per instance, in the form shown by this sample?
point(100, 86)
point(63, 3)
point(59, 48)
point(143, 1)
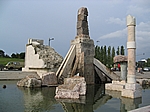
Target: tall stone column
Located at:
point(132, 89)
point(131, 47)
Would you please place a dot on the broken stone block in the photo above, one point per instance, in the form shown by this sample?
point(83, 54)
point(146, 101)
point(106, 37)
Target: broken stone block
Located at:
point(72, 88)
point(49, 79)
point(33, 82)
point(30, 81)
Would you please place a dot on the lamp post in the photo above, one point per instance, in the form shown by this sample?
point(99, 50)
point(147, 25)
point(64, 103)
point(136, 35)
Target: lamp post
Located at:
point(50, 40)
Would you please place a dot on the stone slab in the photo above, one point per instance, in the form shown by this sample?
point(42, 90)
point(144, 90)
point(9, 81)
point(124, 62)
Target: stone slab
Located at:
point(15, 75)
point(114, 87)
point(132, 86)
point(131, 93)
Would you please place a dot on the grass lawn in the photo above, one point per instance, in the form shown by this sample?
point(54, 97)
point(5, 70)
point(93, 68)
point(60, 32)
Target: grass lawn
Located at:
point(4, 61)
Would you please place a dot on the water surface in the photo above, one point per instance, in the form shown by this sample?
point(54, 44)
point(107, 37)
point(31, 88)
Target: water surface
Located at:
point(19, 99)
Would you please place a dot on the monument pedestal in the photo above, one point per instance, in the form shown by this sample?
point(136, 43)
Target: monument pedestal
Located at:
point(132, 90)
point(115, 86)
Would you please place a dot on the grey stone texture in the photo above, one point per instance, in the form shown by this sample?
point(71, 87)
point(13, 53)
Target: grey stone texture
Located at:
point(72, 88)
point(51, 58)
point(85, 53)
point(120, 58)
point(82, 23)
point(49, 79)
point(30, 81)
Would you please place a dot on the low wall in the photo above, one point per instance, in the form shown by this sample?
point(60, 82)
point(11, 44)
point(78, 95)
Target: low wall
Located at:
point(14, 75)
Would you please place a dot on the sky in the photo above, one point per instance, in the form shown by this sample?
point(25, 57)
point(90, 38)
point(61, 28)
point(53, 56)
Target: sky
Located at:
point(44, 19)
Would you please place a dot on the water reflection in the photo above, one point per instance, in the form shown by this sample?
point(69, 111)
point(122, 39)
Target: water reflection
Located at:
point(39, 99)
point(19, 99)
point(126, 104)
point(95, 97)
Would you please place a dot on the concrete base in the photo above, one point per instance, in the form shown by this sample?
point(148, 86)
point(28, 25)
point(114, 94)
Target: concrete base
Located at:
point(115, 85)
point(132, 91)
point(128, 90)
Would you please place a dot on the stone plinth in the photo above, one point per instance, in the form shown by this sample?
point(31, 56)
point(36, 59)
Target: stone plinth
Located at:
point(85, 53)
point(115, 86)
point(132, 91)
point(72, 88)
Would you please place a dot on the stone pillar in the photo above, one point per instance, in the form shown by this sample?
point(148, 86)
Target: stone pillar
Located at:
point(123, 71)
point(132, 89)
point(131, 46)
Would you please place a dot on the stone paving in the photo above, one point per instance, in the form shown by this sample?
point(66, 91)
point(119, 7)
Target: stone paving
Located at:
point(144, 75)
point(14, 75)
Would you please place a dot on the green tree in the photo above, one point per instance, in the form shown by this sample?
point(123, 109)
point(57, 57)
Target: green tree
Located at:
point(113, 54)
point(118, 51)
point(2, 53)
point(102, 55)
point(13, 55)
point(105, 55)
point(96, 52)
point(109, 59)
point(122, 50)
point(22, 55)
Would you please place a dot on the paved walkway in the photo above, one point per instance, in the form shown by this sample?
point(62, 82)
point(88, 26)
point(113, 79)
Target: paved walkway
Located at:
point(142, 109)
point(145, 75)
point(14, 75)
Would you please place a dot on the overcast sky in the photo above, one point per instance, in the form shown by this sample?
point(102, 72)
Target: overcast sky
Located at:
point(44, 19)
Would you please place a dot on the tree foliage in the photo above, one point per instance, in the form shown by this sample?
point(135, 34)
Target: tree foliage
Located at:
point(13, 55)
point(17, 55)
point(106, 55)
point(2, 53)
point(122, 50)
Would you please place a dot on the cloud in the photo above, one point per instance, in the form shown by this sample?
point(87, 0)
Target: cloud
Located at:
point(116, 34)
point(116, 21)
point(139, 7)
point(143, 35)
point(144, 26)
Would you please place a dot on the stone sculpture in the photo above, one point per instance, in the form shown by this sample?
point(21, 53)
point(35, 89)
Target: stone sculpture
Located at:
point(41, 58)
point(82, 23)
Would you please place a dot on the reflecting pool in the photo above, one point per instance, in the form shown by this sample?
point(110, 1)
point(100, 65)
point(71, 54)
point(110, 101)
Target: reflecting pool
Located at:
point(19, 99)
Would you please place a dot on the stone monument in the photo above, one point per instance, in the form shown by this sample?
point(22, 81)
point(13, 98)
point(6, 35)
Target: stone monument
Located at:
point(84, 47)
point(41, 58)
point(132, 89)
point(79, 58)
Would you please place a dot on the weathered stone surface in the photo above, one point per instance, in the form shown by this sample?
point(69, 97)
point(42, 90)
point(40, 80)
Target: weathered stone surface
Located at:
point(72, 88)
point(82, 14)
point(49, 79)
point(41, 58)
point(30, 81)
point(120, 58)
point(131, 20)
point(82, 23)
